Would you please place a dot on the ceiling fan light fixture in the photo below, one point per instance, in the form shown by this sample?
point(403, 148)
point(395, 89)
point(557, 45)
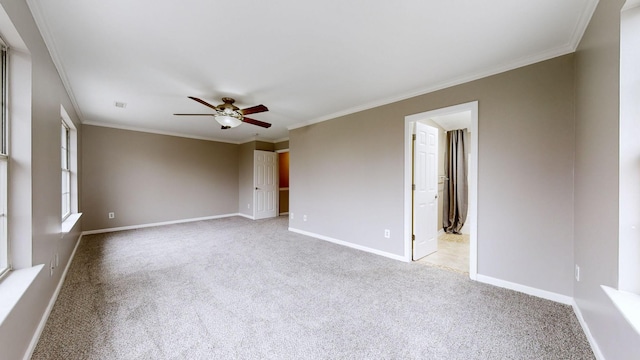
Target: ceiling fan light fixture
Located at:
point(229, 115)
point(227, 120)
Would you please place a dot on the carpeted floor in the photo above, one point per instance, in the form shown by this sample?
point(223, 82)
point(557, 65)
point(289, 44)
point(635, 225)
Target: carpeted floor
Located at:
point(240, 289)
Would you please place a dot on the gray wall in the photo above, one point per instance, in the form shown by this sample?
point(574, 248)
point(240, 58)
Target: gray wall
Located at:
point(35, 182)
point(596, 181)
point(147, 178)
point(347, 174)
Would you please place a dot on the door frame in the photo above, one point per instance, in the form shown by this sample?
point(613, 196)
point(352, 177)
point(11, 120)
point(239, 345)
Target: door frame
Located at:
point(472, 178)
point(279, 188)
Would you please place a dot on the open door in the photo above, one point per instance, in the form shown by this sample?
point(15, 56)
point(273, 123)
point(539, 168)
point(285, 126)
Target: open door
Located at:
point(425, 194)
point(265, 196)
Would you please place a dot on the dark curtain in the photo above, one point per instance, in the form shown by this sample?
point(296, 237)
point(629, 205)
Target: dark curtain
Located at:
point(455, 185)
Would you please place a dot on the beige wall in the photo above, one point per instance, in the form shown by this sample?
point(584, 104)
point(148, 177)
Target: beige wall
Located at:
point(596, 181)
point(147, 178)
point(347, 174)
point(245, 178)
point(34, 210)
point(282, 145)
point(264, 146)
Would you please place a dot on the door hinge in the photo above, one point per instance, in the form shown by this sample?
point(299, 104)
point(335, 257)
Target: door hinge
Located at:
point(413, 237)
point(413, 187)
point(413, 136)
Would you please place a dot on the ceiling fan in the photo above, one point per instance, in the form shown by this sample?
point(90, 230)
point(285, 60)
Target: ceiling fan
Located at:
point(229, 115)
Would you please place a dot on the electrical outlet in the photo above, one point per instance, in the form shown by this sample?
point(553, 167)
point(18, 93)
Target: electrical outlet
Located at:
point(577, 272)
point(304, 217)
point(112, 215)
point(291, 214)
point(387, 233)
point(51, 269)
point(57, 260)
point(248, 206)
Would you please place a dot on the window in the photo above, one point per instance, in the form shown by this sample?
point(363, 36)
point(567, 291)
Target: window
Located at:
point(629, 188)
point(4, 244)
point(69, 167)
point(66, 170)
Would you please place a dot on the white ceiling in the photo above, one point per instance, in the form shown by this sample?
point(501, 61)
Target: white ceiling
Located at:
point(307, 61)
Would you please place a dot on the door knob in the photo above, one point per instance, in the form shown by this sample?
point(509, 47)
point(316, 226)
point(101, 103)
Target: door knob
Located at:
point(257, 188)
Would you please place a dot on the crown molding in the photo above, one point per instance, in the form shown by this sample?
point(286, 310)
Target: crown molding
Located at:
point(630, 4)
point(158, 132)
point(550, 54)
point(258, 138)
point(583, 22)
point(49, 42)
point(569, 47)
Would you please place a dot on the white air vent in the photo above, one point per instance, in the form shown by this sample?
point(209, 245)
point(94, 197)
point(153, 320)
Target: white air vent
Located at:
point(121, 105)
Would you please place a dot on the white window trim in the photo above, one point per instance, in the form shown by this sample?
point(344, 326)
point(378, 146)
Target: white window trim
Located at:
point(69, 222)
point(6, 267)
point(626, 297)
point(66, 170)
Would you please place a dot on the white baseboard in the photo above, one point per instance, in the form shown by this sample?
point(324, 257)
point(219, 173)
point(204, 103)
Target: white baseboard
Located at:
point(563, 299)
point(244, 216)
point(132, 227)
point(52, 302)
point(587, 332)
point(351, 245)
point(440, 232)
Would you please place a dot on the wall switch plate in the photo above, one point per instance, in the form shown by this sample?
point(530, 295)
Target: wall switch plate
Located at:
point(112, 215)
point(304, 217)
point(248, 206)
point(577, 273)
point(387, 233)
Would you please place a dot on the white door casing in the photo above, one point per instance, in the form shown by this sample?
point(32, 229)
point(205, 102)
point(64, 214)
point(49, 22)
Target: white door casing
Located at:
point(265, 183)
point(425, 208)
point(472, 217)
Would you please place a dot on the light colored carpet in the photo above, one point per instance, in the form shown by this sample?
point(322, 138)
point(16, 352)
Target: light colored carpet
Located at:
point(240, 289)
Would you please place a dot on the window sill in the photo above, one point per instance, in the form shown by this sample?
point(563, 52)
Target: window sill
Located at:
point(69, 223)
point(13, 287)
point(627, 303)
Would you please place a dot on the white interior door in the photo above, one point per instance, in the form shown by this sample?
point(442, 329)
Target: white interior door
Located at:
point(265, 182)
point(425, 195)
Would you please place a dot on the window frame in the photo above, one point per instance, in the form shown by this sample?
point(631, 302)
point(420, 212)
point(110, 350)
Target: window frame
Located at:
point(65, 159)
point(5, 249)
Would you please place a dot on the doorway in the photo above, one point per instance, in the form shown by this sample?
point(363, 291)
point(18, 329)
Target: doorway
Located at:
point(283, 167)
point(265, 182)
point(410, 123)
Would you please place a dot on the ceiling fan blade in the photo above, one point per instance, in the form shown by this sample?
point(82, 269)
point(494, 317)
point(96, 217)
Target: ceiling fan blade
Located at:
point(202, 102)
point(256, 122)
point(254, 109)
point(194, 114)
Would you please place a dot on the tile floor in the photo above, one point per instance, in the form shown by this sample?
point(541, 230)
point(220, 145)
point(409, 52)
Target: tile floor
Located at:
point(452, 254)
